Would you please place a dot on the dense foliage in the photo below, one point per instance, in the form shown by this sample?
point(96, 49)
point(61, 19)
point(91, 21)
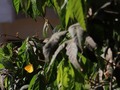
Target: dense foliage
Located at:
point(82, 54)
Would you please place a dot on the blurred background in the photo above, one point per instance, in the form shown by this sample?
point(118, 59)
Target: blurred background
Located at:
point(12, 23)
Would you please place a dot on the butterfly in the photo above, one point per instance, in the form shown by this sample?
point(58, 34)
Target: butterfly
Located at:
point(29, 68)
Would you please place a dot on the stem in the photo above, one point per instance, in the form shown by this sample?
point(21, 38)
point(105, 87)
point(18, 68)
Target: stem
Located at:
point(4, 35)
point(24, 87)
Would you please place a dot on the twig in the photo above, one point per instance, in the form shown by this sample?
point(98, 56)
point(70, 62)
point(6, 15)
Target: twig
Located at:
point(4, 35)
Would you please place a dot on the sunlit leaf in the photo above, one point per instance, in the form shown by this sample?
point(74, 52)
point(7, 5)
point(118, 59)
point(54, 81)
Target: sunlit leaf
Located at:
point(74, 9)
point(75, 30)
point(72, 52)
point(78, 85)
point(69, 13)
point(65, 76)
point(1, 66)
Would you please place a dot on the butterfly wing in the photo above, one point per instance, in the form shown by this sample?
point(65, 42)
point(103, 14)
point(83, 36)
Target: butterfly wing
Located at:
point(29, 68)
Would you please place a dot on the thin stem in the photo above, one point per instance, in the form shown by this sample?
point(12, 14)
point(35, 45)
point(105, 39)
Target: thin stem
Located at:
point(4, 35)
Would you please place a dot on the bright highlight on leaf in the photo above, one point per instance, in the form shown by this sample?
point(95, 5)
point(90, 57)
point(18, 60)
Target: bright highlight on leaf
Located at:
point(29, 68)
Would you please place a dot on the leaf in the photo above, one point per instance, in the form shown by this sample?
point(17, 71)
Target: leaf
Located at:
point(46, 27)
point(69, 10)
point(75, 30)
point(78, 86)
point(35, 10)
point(57, 7)
point(22, 54)
point(52, 62)
point(16, 4)
point(2, 77)
point(32, 82)
point(65, 75)
point(25, 4)
point(7, 50)
point(37, 83)
point(72, 52)
point(83, 58)
point(74, 9)
point(50, 47)
point(41, 5)
point(90, 43)
point(8, 64)
point(1, 66)
point(109, 55)
point(60, 48)
point(79, 14)
point(22, 48)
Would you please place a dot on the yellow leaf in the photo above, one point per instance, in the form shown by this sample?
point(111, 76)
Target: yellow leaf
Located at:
point(29, 68)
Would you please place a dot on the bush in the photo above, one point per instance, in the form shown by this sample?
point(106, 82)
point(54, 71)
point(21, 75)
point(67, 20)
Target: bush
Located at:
point(82, 54)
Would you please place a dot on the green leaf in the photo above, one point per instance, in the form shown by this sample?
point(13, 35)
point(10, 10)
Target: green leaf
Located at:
point(69, 11)
point(24, 54)
point(1, 66)
point(22, 48)
point(6, 82)
point(16, 4)
point(25, 4)
point(65, 76)
point(8, 64)
point(79, 14)
point(41, 5)
point(35, 10)
point(78, 86)
point(57, 7)
point(32, 82)
point(83, 58)
point(37, 83)
point(7, 49)
point(74, 10)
